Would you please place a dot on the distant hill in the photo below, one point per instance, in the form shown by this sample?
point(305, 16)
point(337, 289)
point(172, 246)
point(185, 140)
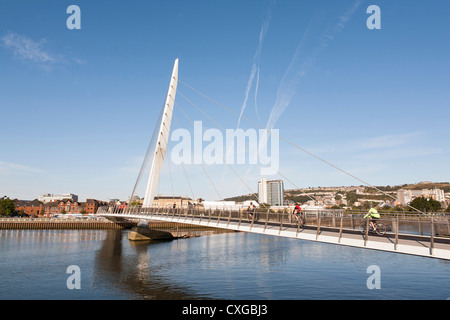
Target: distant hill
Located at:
point(300, 194)
point(429, 185)
point(252, 196)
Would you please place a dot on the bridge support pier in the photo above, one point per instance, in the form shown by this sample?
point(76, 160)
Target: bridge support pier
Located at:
point(143, 233)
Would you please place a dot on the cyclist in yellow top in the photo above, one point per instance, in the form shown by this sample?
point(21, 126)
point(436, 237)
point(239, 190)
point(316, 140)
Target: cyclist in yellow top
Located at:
point(373, 215)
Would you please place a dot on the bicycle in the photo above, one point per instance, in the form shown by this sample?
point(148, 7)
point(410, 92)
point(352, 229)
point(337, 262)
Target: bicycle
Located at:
point(380, 228)
point(250, 214)
point(297, 220)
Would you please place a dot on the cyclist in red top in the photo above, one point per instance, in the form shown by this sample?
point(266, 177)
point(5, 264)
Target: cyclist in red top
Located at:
point(299, 217)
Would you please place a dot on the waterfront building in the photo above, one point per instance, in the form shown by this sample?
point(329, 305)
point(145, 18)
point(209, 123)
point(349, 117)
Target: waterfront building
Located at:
point(271, 192)
point(70, 206)
point(38, 208)
point(30, 208)
point(92, 205)
point(46, 198)
point(169, 201)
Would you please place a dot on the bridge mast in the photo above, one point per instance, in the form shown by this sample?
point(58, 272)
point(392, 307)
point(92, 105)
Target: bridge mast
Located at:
point(162, 139)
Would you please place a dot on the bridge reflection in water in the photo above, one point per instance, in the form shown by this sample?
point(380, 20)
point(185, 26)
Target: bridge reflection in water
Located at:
point(415, 234)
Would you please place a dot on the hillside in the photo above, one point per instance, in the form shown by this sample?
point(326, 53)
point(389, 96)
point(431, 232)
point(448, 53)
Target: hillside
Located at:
point(429, 185)
point(353, 193)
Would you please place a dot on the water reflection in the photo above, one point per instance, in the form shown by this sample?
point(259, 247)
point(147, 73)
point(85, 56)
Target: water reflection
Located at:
point(166, 270)
point(225, 266)
point(132, 270)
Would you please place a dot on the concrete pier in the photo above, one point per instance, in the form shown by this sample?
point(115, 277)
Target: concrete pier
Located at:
point(144, 234)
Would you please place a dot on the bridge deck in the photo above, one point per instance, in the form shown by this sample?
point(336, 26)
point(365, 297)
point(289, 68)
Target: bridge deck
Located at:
point(414, 244)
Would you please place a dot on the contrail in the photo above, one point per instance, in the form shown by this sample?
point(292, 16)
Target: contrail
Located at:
point(287, 89)
point(256, 62)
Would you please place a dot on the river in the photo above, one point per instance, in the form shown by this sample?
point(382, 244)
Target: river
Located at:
point(34, 265)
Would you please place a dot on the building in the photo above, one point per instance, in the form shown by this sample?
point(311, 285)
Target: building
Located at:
point(30, 208)
point(406, 196)
point(49, 209)
point(92, 205)
point(228, 205)
point(271, 192)
point(46, 198)
point(169, 201)
point(70, 206)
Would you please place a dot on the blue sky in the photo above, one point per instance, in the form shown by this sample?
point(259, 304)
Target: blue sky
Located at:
point(78, 107)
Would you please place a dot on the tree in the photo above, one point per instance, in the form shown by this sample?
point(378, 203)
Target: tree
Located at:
point(7, 207)
point(426, 204)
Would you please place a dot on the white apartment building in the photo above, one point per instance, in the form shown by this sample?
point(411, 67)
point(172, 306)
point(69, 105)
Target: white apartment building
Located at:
point(406, 196)
point(271, 192)
point(57, 197)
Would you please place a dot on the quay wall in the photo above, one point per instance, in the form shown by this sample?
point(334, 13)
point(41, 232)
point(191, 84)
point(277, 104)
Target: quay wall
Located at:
point(67, 224)
point(178, 230)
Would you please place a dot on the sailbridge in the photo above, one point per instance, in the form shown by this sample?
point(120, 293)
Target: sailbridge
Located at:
point(417, 234)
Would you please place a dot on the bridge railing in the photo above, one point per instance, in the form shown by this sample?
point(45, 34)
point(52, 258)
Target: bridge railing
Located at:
point(396, 223)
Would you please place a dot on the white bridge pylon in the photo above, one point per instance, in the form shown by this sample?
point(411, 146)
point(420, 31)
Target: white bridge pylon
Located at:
point(160, 147)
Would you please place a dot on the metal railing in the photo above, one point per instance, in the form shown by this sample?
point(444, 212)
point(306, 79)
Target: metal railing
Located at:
point(397, 224)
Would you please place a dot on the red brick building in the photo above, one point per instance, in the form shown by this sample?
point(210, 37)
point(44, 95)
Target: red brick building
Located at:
point(30, 208)
point(92, 205)
point(36, 208)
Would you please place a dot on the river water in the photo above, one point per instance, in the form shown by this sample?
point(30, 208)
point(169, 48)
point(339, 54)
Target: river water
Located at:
point(34, 265)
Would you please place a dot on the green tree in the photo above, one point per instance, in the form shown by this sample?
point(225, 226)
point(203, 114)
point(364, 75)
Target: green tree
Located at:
point(7, 207)
point(426, 204)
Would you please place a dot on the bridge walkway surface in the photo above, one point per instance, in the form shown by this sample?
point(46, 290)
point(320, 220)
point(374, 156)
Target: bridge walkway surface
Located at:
point(423, 236)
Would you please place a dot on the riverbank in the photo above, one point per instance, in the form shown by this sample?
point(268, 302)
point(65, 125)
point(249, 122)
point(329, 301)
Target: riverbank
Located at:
point(61, 224)
point(178, 230)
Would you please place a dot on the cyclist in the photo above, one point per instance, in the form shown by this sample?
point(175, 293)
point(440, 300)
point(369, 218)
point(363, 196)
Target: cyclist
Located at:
point(251, 210)
point(297, 211)
point(373, 216)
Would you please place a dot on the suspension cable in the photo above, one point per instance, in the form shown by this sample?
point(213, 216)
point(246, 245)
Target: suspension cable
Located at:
point(229, 166)
point(184, 169)
point(204, 169)
point(257, 155)
point(296, 146)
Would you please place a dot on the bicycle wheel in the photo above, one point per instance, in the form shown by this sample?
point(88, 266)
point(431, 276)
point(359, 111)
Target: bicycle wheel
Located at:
point(294, 222)
point(302, 223)
point(381, 229)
